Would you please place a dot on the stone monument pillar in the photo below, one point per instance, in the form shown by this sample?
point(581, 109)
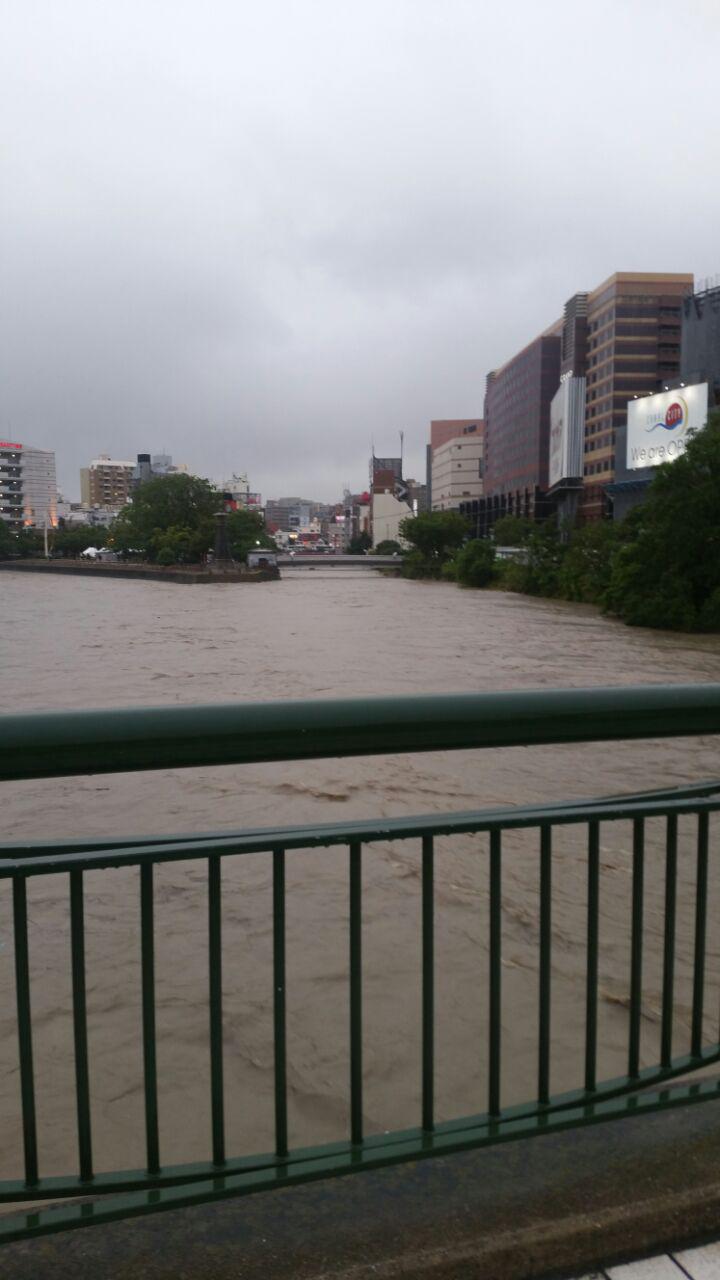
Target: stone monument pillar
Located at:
point(223, 561)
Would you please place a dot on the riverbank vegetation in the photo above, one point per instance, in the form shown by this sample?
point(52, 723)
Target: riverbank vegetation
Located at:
point(659, 567)
point(171, 521)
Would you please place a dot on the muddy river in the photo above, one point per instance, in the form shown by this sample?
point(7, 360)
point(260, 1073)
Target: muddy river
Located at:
point(70, 643)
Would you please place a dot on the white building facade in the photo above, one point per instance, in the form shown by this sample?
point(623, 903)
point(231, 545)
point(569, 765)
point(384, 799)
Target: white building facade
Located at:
point(28, 486)
point(387, 513)
point(457, 472)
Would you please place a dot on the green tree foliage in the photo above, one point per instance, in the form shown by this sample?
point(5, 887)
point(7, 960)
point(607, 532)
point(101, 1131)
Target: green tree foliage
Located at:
point(171, 511)
point(8, 545)
point(512, 531)
point(181, 545)
point(474, 565)
point(537, 571)
point(434, 536)
point(416, 565)
point(388, 548)
point(666, 571)
point(70, 541)
point(358, 545)
point(435, 533)
point(175, 516)
point(587, 562)
point(30, 543)
point(245, 530)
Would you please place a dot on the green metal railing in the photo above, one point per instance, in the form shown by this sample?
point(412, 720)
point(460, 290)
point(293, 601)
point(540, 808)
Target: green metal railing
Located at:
point(68, 744)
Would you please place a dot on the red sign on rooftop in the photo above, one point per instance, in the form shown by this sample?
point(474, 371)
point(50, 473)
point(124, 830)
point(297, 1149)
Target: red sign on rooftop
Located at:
point(8, 444)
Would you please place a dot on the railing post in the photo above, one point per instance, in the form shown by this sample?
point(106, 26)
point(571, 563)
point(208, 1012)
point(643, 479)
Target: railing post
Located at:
point(147, 948)
point(281, 1133)
point(82, 1077)
point(591, 986)
point(216, 1018)
point(428, 984)
point(545, 963)
point(636, 947)
point(22, 990)
point(356, 1037)
point(701, 888)
point(495, 971)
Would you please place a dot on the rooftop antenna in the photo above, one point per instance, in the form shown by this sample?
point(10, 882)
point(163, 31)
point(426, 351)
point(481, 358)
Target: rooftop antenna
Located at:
point(402, 437)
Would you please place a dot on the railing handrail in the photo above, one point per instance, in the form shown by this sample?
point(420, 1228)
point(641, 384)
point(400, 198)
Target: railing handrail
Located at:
point(120, 740)
point(41, 745)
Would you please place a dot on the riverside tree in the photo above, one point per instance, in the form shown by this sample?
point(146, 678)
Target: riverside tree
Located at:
point(7, 541)
point(434, 538)
point(474, 564)
point(666, 571)
point(172, 518)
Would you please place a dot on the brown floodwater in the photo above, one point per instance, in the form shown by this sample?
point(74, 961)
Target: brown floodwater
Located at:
point(71, 643)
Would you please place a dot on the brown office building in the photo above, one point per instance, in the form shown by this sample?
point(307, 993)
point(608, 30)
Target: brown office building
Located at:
point(517, 427)
point(633, 347)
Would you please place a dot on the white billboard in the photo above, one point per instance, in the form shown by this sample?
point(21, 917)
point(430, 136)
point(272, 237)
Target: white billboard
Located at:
point(658, 426)
point(567, 422)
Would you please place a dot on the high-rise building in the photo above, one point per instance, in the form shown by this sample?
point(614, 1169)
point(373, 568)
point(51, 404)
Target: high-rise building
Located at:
point(28, 487)
point(106, 482)
point(556, 413)
point(700, 340)
point(633, 349)
point(517, 430)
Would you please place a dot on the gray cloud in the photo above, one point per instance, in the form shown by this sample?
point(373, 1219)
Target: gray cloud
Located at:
point(258, 237)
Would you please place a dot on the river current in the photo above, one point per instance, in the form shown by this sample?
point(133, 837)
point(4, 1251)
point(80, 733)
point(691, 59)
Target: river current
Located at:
point(72, 643)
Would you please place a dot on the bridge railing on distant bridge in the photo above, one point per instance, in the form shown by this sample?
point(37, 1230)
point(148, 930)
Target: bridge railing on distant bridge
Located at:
point(92, 742)
point(335, 560)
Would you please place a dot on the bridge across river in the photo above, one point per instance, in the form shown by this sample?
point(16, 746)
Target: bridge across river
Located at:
point(332, 560)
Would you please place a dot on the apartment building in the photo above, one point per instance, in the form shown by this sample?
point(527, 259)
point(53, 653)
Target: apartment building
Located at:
point(106, 482)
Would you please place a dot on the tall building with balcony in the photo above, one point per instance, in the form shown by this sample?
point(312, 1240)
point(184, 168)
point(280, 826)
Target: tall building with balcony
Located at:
point(107, 482)
point(28, 486)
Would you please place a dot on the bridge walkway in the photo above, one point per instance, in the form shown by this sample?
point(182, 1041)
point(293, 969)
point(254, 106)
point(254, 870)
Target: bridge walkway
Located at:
point(700, 1263)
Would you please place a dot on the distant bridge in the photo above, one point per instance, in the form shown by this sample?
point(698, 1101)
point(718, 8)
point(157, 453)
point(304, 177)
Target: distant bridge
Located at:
point(334, 561)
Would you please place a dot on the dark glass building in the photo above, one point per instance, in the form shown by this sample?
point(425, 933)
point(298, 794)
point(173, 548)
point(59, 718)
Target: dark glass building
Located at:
point(700, 354)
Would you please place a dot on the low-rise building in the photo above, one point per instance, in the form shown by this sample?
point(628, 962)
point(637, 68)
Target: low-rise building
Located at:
point(154, 467)
point(457, 472)
point(390, 504)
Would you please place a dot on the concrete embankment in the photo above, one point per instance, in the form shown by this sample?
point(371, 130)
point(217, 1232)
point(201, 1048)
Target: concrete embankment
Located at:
point(552, 1206)
point(154, 573)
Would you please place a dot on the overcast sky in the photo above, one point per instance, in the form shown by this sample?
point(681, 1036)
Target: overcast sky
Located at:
point(261, 236)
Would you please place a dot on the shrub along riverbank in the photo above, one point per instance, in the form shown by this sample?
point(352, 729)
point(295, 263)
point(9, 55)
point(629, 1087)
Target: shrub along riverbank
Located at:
point(659, 567)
